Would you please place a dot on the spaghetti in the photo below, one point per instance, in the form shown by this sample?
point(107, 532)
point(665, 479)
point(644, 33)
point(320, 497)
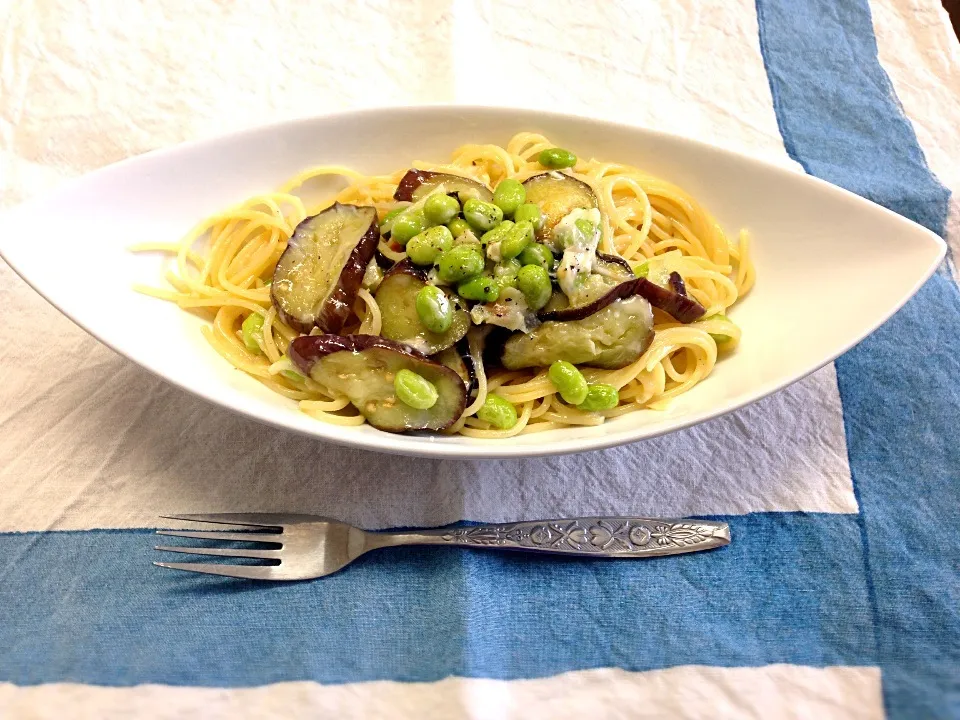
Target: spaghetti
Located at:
point(224, 265)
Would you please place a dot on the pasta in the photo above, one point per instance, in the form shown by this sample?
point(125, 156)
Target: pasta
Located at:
point(223, 267)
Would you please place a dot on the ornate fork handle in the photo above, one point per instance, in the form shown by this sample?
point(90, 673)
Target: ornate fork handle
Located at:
point(618, 537)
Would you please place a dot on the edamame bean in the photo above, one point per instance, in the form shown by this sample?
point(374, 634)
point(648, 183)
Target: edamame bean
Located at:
point(469, 239)
point(506, 268)
point(498, 412)
point(440, 209)
point(570, 382)
point(386, 223)
point(505, 273)
point(600, 396)
point(407, 225)
point(537, 254)
point(459, 263)
point(425, 248)
point(458, 226)
point(497, 234)
point(482, 215)
point(509, 196)
point(534, 283)
point(434, 309)
point(587, 229)
point(557, 158)
point(516, 240)
point(415, 390)
point(531, 212)
point(580, 233)
point(482, 288)
point(251, 329)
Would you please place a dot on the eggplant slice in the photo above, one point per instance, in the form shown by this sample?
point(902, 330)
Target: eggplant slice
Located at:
point(682, 307)
point(613, 266)
point(397, 298)
point(363, 368)
point(417, 184)
point(317, 277)
point(616, 291)
point(612, 279)
point(458, 359)
point(612, 337)
point(558, 195)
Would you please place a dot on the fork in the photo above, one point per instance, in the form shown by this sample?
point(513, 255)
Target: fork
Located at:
point(311, 546)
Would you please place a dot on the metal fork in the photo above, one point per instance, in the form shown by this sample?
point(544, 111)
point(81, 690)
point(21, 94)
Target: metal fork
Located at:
point(312, 546)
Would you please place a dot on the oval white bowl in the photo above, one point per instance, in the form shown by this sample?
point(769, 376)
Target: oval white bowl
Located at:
point(831, 266)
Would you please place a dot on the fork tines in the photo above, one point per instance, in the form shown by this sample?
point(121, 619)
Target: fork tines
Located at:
point(258, 572)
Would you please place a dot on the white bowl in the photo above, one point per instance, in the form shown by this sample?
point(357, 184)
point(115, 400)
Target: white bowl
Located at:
point(831, 266)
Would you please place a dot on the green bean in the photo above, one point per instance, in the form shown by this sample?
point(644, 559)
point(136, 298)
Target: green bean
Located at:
point(498, 412)
point(458, 226)
point(509, 195)
point(407, 225)
point(497, 234)
point(434, 309)
point(459, 263)
point(600, 396)
point(570, 382)
point(415, 390)
point(557, 158)
point(482, 215)
point(531, 212)
point(424, 248)
point(516, 240)
point(534, 283)
point(482, 288)
point(251, 329)
point(537, 254)
point(440, 209)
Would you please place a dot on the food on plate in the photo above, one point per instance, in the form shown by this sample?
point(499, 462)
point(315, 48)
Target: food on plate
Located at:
point(318, 274)
point(393, 387)
point(511, 290)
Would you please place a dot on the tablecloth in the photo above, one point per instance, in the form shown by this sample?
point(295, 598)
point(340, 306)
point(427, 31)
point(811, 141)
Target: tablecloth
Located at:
point(838, 598)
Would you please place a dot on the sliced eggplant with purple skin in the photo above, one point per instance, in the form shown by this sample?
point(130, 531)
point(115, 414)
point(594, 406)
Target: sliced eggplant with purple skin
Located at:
point(558, 195)
point(677, 284)
point(397, 298)
point(417, 184)
point(617, 291)
point(613, 266)
point(458, 359)
point(363, 368)
point(598, 290)
point(317, 277)
point(682, 307)
point(613, 337)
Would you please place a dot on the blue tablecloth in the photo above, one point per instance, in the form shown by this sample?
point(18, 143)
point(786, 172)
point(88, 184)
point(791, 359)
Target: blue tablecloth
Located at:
point(840, 594)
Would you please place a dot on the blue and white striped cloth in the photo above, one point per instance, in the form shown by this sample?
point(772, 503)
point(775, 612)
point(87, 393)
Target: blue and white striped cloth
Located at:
point(839, 597)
